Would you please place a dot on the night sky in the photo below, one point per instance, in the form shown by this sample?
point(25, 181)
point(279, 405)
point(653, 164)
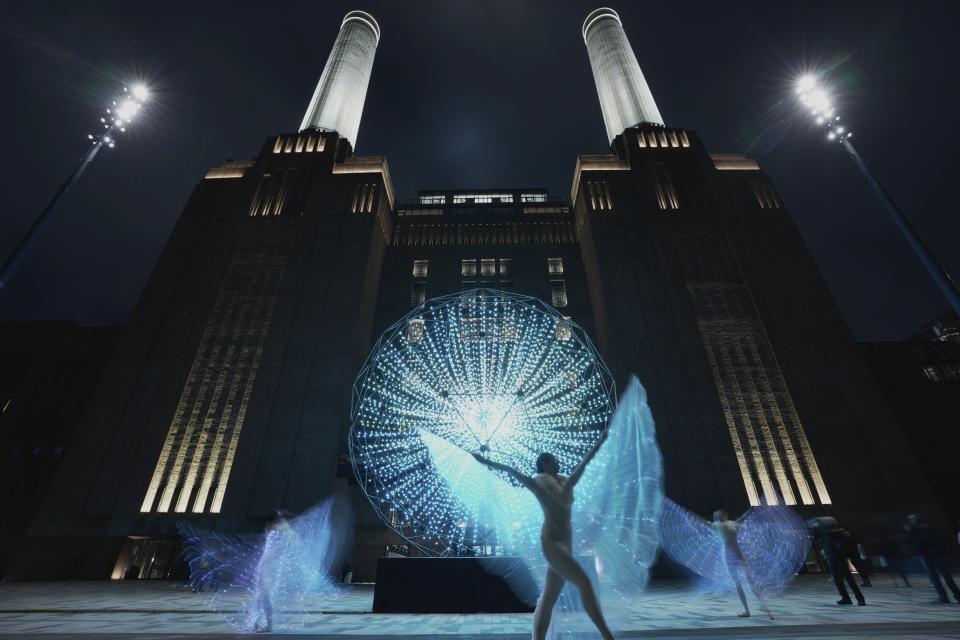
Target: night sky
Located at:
point(475, 94)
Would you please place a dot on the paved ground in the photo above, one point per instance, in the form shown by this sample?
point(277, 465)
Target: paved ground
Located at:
point(155, 610)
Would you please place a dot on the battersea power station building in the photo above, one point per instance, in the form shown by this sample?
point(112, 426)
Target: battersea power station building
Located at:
point(229, 393)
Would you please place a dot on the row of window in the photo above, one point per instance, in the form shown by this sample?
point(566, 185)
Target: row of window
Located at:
point(481, 198)
point(363, 196)
point(663, 138)
point(471, 329)
point(15, 451)
point(600, 198)
point(298, 144)
point(489, 267)
point(942, 372)
point(558, 292)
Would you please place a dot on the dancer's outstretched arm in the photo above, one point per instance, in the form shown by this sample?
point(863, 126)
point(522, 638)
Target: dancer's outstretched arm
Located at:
point(521, 478)
point(578, 472)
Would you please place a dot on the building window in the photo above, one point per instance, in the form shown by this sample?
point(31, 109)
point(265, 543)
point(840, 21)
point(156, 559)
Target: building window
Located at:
point(765, 194)
point(420, 268)
point(663, 187)
point(418, 294)
point(363, 197)
point(415, 330)
point(271, 193)
point(468, 268)
point(563, 330)
point(555, 266)
point(533, 197)
point(488, 267)
point(558, 293)
point(435, 199)
point(506, 268)
point(599, 194)
point(482, 198)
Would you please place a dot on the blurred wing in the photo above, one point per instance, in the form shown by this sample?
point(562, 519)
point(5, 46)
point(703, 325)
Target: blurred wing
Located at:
point(323, 537)
point(226, 566)
point(689, 541)
point(497, 505)
point(221, 562)
point(620, 496)
point(775, 542)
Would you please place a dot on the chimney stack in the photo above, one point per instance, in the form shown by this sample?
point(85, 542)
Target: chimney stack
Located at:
point(337, 102)
point(625, 98)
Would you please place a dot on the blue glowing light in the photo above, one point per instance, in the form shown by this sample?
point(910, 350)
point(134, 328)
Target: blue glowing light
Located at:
point(480, 371)
point(773, 540)
point(275, 580)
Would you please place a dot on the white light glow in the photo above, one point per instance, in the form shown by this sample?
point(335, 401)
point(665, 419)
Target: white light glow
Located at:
point(806, 83)
point(140, 92)
point(127, 109)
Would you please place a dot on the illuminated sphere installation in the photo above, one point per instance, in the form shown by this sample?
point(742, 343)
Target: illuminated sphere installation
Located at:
point(479, 371)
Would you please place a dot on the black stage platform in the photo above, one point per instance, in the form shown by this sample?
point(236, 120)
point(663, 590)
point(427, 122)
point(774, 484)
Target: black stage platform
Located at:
point(453, 585)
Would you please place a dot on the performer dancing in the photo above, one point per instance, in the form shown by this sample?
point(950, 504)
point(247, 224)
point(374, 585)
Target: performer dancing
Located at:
point(554, 492)
point(726, 530)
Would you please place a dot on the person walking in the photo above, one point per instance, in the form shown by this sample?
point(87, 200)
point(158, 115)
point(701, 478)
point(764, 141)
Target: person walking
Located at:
point(924, 543)
point(833, 545)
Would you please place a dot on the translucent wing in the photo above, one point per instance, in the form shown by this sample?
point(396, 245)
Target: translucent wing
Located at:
point(690, 541)
point(279, 578)
point(510, 513)
point(220, 561)
point(775, 543)
point(620, 497)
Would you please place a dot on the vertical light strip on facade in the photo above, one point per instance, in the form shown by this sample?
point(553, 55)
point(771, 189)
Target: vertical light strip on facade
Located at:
point(203, 435)
point(764, 427)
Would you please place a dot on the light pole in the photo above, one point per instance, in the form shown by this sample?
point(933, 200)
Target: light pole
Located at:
point(818, 102)
point(115, 120)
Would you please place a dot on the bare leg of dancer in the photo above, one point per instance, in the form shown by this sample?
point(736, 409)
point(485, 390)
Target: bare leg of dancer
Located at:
point(753, 587)
point(743, 600)
point(563, 562)
point(548, 599)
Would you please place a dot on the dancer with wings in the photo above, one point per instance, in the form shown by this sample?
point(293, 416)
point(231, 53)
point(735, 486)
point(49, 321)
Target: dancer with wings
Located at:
point(726, 529)
point(554, 492)
point(766, 546)
point(272, 581)
point(616, 518)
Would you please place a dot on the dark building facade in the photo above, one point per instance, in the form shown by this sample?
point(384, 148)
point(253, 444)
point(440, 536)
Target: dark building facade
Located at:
point(920, 379)
point(49, 371)
point(229, 394)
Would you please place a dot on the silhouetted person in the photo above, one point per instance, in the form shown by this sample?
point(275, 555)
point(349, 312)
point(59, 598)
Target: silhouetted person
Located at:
point(833, 544)
point(925, 543)
point(892, 551)
point(852, 549)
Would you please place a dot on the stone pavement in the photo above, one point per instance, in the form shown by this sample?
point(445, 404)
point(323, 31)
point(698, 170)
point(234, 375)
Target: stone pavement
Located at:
point(154, 610)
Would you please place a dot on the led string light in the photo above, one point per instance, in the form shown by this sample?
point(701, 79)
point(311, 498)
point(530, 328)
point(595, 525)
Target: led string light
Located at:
point(483, 370)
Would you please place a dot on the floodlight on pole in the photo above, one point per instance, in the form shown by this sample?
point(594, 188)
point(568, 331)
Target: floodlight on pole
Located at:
point(114, 121)
point(818, 102)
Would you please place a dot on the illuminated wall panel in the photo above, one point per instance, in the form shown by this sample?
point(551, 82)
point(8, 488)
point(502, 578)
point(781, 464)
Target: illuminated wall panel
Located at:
point(775, 458)
point(197, 454)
